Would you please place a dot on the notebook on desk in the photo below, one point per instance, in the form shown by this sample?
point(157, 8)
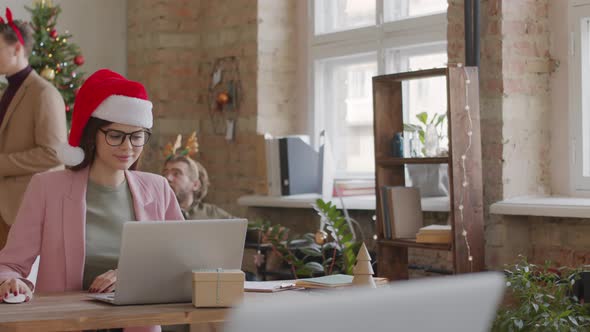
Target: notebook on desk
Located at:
point(333, 281)
point(270, 286)
point(157, 258)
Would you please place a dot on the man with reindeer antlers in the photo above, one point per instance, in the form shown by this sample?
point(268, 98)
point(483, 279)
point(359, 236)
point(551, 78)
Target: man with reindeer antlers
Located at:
point(189, 181)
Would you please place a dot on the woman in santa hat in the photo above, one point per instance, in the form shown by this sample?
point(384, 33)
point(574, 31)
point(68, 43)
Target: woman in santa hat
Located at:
point(73, 218)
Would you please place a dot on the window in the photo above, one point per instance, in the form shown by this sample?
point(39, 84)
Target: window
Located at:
point(580, 96)
point(397, 10)
point(426, 95)
point(338, 15)
point(352, 41)
point(347, 95)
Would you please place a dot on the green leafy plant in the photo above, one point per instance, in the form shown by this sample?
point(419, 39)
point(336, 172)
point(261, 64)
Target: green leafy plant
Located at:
point(340, 232)
point(540, 298)
point(331, 250)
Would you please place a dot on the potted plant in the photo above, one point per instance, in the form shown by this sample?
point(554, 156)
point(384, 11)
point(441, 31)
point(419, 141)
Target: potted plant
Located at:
point(430, 134)
point(432, 180)
point(330, 250)
point(540, 298)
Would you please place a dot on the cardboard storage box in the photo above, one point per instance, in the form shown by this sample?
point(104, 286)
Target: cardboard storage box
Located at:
point(217, 288)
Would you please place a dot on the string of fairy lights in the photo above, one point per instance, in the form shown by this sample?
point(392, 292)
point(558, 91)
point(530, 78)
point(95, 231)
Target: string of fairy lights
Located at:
point(465, 183)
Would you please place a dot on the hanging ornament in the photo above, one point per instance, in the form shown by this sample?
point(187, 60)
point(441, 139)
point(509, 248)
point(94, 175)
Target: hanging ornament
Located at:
point(320, 237)
point(79, 60)
point(48, 73)
point(222, 99)
point(67, 108)
point(74, 74)
point(53, 33)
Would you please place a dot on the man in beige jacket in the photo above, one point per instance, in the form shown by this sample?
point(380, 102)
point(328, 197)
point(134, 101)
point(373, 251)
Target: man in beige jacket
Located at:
point(32, 121)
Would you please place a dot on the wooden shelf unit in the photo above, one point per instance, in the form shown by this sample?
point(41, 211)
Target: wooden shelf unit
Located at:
point(391, 161)
point(389, 171)
point(411, 243)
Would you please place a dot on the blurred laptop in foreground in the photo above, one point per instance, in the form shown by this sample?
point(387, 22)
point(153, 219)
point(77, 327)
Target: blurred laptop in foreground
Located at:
point(463, 303)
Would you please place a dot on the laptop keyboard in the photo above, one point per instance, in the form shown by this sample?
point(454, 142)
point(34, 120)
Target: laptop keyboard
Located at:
point(108, 296)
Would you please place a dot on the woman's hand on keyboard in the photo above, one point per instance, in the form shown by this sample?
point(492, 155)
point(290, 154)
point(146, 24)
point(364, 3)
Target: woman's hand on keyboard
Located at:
point(104, 283)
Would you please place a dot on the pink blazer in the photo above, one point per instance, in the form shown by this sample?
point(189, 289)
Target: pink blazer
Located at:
point(51, 222)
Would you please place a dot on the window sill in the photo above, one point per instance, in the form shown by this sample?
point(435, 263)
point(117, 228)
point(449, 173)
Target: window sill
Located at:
point(429, 204)
point(544, 206)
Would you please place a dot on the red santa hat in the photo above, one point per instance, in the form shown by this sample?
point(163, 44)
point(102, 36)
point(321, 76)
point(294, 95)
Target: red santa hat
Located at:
point(108, 96)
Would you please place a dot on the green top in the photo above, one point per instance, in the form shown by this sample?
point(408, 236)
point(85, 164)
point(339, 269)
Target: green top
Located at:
point(200, 210)
point(106, 210)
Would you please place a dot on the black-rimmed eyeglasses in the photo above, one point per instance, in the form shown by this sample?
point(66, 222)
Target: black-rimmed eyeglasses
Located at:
point(116, 137)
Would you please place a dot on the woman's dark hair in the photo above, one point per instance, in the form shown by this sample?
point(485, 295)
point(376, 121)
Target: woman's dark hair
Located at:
point(88, 144)
point(25, 30)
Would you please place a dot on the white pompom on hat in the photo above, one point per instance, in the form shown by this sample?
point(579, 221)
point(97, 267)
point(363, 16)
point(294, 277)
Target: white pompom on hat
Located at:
point(108, 96)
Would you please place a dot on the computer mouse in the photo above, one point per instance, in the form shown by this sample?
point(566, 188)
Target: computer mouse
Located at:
point(11, 298)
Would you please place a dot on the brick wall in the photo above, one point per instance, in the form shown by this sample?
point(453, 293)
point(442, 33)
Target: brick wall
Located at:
point(277, 52)
point(172, 47)
point(515, 91)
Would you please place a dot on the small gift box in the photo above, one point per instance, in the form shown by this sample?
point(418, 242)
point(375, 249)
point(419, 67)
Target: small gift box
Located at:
point(217, 288)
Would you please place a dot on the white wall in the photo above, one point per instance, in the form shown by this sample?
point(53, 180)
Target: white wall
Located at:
point(98, 27)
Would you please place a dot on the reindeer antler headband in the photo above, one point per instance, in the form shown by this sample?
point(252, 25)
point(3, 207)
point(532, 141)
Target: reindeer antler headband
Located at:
point(10, 22)
point(191, 147)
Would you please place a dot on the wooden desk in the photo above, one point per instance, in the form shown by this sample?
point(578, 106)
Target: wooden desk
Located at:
point(75, 312)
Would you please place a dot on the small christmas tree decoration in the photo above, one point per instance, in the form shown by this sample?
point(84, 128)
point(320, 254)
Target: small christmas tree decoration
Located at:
point(363, 271)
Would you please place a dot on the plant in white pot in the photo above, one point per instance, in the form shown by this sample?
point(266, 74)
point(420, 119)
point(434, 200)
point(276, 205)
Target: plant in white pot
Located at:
point(431, 179)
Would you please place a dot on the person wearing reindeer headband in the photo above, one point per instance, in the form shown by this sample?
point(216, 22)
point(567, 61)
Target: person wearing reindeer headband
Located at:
point(189, 180)
point(32, 120)
point(73, 218)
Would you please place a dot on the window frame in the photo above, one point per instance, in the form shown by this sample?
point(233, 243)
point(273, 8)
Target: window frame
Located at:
point(579, 50)
point(405, 33)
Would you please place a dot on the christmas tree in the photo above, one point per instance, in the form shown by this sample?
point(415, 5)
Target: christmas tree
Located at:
point(56, 59)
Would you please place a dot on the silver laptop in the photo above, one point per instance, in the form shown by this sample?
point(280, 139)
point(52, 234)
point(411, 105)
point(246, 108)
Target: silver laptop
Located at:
point(157, 258)
point(462, 303)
